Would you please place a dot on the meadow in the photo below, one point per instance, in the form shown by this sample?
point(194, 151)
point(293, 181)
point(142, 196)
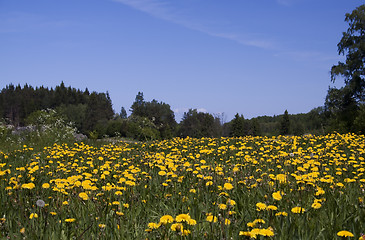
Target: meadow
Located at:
point(284, 187)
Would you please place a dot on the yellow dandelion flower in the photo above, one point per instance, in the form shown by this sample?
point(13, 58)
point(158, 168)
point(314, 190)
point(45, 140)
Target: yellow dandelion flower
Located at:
point(277, 196)
point(316, 205)
point(130, 183)
point(185, 232)
point(231, 202)
point(258, 221)
point(254, 232)
point(320, 191)
point(212, 218)
point(33, 215)
point(281, 214)
point(222, 206)
point(344, 233)
point(28, 185)
point(281, 178)
point(297, 210)
point(223, 194)
point(166, 219)
point(227, 186)
point(70, 220)
point(182, 218)
point(177, 227)
point(209, 183)
point(119, 213)
point(272, 207)
point(266, 232)
point(261, 206)
point(192, 222)
point(243, 233)
point(83, 196)
point(251, 224)
point(153, 225)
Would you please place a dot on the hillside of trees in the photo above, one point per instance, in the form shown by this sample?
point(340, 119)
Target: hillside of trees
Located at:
point(92, 114)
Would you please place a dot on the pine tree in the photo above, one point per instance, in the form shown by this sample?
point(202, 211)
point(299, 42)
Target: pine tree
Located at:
point(123, 113)
point(285, 124)
point(238, 126)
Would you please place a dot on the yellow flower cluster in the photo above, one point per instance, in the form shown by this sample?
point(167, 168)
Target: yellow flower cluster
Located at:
point(177, 223)
point(223, 184)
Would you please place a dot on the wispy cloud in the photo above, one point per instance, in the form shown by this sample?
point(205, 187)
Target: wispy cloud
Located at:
point(165, 11)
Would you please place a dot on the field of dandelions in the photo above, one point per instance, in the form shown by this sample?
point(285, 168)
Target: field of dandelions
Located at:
point(308, 187)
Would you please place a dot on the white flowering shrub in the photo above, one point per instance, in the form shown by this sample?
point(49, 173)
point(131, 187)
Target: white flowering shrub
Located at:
point(5, 132)
point(48, 125)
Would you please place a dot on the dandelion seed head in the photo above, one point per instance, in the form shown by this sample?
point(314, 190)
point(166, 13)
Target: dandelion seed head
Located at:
point(40, 203)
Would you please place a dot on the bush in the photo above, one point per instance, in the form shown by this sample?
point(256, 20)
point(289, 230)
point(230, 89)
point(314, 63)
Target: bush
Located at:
point(143, 129)
point(49, 126)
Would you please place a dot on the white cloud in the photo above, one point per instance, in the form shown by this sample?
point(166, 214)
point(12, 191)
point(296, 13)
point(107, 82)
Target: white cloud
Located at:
point(184, 110)
point(203, 110)
point(162, 10)
point(180, 110)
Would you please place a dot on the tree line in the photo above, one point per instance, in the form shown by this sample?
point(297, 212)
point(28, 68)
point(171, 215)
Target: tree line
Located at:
point(93, 115)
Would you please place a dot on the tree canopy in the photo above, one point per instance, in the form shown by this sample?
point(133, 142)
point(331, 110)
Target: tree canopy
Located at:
point(344, 105)
point(352, 45)
point(159, 113)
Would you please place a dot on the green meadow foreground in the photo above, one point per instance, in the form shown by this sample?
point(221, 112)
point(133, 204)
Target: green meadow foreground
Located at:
point(309, 187)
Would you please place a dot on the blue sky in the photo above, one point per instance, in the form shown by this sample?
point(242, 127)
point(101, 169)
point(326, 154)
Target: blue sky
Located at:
point(220, 56)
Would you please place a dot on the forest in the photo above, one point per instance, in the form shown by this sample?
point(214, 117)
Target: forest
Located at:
point(93, 116)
